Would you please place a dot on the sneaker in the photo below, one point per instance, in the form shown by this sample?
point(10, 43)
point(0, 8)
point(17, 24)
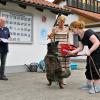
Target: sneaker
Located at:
point(4, 78)
point(97, 89)
point(92, 90)
point(86, 87)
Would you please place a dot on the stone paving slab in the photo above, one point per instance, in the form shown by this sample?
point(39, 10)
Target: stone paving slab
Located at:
point(33, 86)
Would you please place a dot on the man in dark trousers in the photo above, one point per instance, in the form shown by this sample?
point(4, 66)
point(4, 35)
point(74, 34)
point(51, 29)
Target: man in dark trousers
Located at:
point(4, 36)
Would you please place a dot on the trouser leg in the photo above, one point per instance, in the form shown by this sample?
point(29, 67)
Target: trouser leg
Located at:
point(3, 62)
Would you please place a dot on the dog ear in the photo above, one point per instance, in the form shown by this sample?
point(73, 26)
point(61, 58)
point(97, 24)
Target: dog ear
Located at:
point(52, 43)
point(56, 42)
point(49, 44)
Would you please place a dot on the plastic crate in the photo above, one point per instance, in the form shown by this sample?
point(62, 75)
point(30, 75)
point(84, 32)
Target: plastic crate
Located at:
point(73, 66)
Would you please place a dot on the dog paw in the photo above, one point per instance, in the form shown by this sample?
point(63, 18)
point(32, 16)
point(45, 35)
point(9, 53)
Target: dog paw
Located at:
point(61, 87)
point(63, 83)
point(49, 84)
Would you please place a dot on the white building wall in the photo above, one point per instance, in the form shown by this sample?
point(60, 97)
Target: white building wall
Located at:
point(62, 3)
point(20, 54)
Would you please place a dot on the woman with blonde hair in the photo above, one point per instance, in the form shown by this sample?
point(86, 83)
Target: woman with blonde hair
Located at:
point(58, 28)
point(88, 38)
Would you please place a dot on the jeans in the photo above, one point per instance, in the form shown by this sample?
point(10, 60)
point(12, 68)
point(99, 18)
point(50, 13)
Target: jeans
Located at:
point(3, 61)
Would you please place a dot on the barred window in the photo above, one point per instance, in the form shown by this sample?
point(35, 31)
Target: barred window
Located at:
point(75, 40)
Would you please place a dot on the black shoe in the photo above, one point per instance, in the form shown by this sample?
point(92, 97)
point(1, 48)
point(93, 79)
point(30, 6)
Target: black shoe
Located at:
point(4, 78)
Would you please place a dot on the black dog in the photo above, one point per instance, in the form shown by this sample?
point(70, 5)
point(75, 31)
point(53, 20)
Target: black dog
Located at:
point(53, 66)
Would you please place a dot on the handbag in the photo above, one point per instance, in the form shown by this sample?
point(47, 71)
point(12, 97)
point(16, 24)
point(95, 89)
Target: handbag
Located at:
point(66, 72)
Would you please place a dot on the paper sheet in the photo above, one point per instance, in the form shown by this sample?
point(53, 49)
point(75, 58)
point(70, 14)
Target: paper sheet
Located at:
point(4, 40)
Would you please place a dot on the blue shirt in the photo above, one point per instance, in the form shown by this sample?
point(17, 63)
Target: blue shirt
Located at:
point(4, 33)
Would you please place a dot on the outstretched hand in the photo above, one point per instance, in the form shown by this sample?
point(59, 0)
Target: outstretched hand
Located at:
point(71, 53)
point(50, 36)
point(87, 53)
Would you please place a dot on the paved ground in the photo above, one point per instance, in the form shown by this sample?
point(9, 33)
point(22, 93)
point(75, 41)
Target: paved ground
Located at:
point(32, 86)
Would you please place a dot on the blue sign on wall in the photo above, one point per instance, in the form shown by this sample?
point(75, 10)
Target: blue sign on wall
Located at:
point(43, 34)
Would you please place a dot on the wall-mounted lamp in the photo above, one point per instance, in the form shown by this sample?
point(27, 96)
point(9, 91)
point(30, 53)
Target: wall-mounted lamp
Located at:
point(22, 6)
point(39, 9)
point(3, 2)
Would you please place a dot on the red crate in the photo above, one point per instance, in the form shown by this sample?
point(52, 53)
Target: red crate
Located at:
point(65, 48)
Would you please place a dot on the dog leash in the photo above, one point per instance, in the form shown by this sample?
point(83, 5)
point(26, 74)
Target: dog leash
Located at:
point(95, 66)
point(91, 60)
point(91, 72)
